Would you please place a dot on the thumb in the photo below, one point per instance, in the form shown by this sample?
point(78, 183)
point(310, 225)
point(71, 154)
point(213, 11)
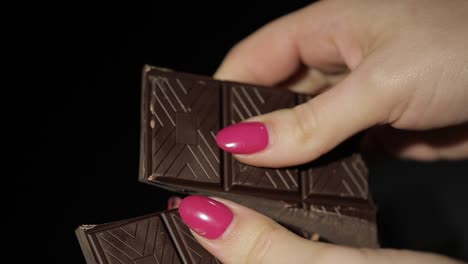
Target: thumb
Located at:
point(300, 134)
point(236, 234)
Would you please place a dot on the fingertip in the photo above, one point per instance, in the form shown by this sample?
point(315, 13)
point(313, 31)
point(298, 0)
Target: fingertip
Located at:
point(267, 57)
point(243, 138)
point(209, 218)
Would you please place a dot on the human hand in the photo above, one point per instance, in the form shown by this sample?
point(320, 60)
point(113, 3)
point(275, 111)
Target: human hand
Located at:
point(401, 63)
point(236, 234)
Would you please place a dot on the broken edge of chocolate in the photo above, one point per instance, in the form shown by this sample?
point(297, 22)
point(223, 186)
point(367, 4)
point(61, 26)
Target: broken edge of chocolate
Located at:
point(154, 238)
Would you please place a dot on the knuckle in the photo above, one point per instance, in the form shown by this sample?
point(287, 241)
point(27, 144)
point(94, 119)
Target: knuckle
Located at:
point(305, 120)
point(262, 245)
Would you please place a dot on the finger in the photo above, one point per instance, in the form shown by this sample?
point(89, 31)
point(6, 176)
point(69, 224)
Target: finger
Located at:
point(236, 234)
point(276, 51)
point(297, 135)
point(313, 81)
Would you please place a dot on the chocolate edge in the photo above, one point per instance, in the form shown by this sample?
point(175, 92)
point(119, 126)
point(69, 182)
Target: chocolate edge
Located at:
point(85, 246)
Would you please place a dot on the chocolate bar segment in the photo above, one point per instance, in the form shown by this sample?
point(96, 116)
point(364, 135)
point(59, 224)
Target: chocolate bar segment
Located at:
point(242, 101)
point(190, 250)
point(151, 239)
point(183, 118)
point(138, 240)
point(181, 114)
point(346, 177)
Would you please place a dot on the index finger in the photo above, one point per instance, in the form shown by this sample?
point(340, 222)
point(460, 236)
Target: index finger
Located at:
point(276, 51)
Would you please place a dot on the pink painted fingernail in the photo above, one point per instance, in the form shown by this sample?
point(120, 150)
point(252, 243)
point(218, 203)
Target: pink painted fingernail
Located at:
point(243, 138)
point(207, 217)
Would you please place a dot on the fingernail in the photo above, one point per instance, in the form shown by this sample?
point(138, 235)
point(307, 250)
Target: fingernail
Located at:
point(207, 217)
point(243, 138)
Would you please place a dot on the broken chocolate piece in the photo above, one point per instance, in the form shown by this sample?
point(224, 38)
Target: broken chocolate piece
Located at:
point(155, 238)
point(150, 239)
point(181, 114)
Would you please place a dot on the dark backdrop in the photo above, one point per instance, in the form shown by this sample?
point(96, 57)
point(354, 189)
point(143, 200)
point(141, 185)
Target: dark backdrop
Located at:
point(80, 160)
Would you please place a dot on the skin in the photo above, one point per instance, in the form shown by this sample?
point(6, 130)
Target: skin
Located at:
point(408, 71)
point(402, 64)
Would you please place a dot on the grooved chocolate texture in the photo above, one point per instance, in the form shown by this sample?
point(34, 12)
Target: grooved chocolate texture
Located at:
point(160, 238)
point(181, 114)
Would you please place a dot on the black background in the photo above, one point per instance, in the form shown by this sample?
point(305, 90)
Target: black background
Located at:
point(79, 163)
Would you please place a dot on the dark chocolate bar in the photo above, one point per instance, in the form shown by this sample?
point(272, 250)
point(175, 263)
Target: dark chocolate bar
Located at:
point(181, 114)
point(157, 238)
point(160, 238)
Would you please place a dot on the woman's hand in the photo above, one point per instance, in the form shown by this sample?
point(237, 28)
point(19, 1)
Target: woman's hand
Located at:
point(402, 63)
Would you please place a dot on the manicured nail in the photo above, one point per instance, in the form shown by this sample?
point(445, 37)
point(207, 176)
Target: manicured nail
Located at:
point(173, 202)
point(243, 138)
point(207, 217)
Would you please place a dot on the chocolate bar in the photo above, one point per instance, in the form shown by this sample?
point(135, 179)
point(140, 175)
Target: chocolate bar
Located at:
point(150, 239)
point(181, 114)
point(325, 200)
point(155, 238)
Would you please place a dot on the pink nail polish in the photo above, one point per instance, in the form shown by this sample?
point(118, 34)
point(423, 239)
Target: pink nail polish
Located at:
point(243, 138)
point(207, 217)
